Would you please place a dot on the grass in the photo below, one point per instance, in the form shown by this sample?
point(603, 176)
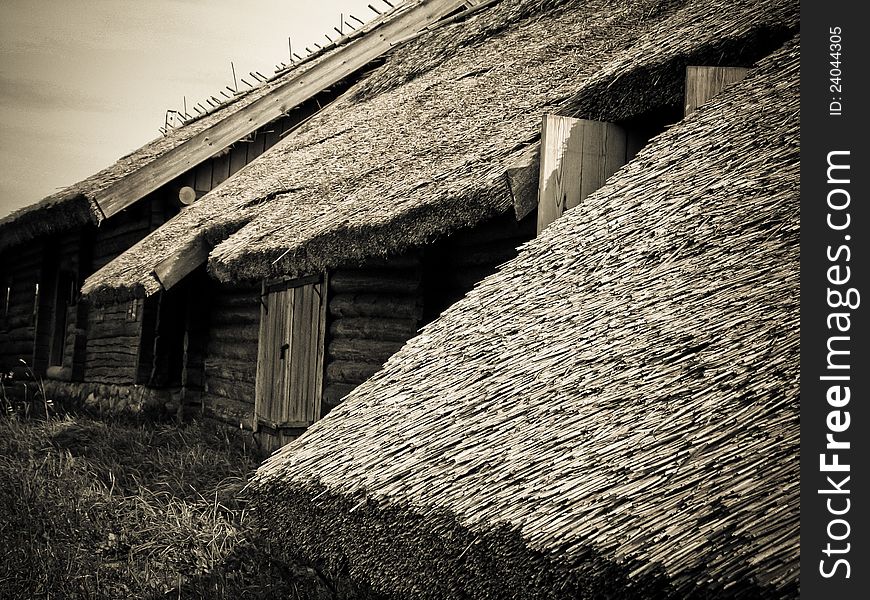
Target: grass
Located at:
point(96, 508)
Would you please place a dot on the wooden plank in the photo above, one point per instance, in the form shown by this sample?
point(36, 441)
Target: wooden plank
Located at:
point(271, 136)
point(321, 348)
point(703, 83)
point(577, 157)
point(220, 169)
point(331, 69)
point(179, 265)
point(203, 182)
point(256, 147)
point(238, 157)
point(262, 371)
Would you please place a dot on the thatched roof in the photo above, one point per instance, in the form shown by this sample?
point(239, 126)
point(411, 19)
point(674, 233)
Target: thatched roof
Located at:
point(614, 414)
point(422, 146)
point(75, 206)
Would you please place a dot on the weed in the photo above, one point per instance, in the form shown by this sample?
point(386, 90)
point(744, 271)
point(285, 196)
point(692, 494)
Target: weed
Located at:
point(118, 508)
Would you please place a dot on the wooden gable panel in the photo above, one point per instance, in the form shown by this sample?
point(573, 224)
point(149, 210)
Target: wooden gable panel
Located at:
point(577, 157)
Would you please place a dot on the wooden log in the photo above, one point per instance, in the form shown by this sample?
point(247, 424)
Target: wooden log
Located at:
point(492, 254)
point(226, 409)
point(230, 370)
point(19, 334)
point(577, 157)
point(407, 260)
point(522, 177)
point(233, 334)
point(246, 351)
point(18, 349)
point(247, 315)
point(375, 281)
point(108, 250)
point(381, 329)
point(334, 393)
point(187, 196)
point(350, 372)
point(241, 391)
point(373, 305)
point(704, 83)
point(113, 329)
point(121, 229)
point(362, 350)
point(460, 280)
point(232, 298)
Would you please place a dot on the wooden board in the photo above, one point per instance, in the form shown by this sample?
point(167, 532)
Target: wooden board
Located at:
point(332, 68)
point(177, 266)
point(221, 169)
point(703, 83)
point(577, 157)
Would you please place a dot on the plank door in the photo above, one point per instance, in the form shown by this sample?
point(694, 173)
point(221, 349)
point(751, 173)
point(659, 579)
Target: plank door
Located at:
point(290, 355)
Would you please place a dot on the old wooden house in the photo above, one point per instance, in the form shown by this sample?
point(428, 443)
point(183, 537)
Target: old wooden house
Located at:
point(128, 349)
point(293, 282)
point(614, 414)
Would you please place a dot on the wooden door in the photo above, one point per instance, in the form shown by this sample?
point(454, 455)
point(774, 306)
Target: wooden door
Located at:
point(290, 354)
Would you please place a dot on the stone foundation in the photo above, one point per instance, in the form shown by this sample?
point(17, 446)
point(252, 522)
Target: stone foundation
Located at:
point(114, 399)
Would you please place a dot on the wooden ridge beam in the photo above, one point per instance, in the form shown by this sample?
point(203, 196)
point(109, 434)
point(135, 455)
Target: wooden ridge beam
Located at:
point(334, 67)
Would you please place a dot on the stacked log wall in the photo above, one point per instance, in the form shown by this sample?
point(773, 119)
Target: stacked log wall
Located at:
point(230, 360)
point(373, 310)
point(454, 264)
point(21, 270)
point(112, 350)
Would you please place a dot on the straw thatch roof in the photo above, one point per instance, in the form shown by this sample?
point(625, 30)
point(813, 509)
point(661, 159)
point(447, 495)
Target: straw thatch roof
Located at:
point(421, 148)
point(75, 206)
point(614, 414)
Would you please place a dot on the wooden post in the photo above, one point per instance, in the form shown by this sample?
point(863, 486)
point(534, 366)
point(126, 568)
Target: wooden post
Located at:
point(703, 83)
point(577, 157)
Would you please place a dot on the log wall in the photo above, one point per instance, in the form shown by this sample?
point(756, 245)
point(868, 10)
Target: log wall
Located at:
point(373, 310)
point(454, 264)
point(230, 360)
point(112, 351)
point(21, 269)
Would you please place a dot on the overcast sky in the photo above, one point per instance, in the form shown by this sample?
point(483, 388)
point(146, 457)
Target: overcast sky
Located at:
point(83, 82)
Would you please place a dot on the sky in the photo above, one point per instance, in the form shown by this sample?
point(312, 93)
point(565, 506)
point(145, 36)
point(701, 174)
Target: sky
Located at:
point(84, 82)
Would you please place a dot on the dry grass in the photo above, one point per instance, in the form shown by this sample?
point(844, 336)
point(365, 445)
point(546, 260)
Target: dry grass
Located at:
point(96, 509)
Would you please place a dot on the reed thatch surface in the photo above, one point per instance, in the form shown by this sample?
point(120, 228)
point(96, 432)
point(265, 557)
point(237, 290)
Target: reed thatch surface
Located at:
point(74, 206)
point(614, 414)
point(420, 149)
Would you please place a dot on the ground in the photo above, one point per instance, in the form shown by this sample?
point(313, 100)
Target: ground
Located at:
point(120, 508)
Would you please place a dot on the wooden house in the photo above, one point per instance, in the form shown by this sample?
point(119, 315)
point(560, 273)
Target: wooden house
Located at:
point(295, 280)
point(613, 414)
point(129, 347)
